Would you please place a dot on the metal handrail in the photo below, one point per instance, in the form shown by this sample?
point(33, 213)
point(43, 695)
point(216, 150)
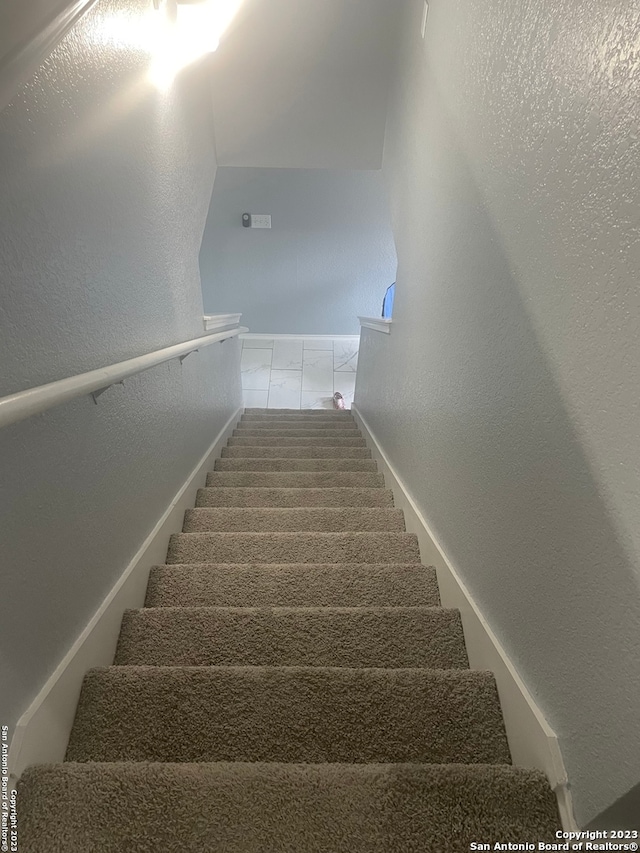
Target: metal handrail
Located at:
point(33, 401)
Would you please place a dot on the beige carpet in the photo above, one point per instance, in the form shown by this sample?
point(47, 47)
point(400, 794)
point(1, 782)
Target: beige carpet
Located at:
point(292, 684)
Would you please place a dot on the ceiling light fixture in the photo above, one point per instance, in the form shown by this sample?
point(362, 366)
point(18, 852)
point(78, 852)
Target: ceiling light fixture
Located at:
point(190, 29)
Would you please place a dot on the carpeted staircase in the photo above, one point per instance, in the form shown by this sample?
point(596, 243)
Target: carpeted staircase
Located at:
point(292, 685)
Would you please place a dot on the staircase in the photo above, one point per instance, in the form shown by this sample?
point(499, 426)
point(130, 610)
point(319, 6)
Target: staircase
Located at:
point(292, 684)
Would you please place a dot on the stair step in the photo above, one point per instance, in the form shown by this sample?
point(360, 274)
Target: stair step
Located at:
point(293, 636)
point(277, 440)
point(296, 433)
point(293, 464)
point(293, 548)
point(297, 714)
point(293, 584)
point(304, 451)
point(296, 479)
point(281, 808)
point(292, 497)
point(305, 519)
point(320, 424)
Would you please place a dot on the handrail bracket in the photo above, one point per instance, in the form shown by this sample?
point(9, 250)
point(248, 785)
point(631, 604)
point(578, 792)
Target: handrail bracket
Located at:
point(100, 391)
point(191, 352)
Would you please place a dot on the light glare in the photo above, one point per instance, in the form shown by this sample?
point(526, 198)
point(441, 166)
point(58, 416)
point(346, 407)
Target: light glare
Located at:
point(195, 32)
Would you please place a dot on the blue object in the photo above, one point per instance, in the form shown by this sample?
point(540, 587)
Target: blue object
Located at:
point(387, 302)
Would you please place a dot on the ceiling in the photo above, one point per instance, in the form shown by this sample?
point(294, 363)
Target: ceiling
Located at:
point(304, 83)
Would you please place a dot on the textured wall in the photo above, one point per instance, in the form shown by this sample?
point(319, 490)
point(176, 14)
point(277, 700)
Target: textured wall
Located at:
point(104, 189)
point(507, 393)
point(328, 257)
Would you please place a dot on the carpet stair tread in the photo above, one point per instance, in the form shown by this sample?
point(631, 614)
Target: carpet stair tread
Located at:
point(305, 451)
point(294, 464)
point(293, 547)
point(292, 519)
point(297, 479)
point(326, 440)
point(297, 714)
point(292, 496)
point(296, 431)
point(293, 584)
point(327, 637)
point(281, 808)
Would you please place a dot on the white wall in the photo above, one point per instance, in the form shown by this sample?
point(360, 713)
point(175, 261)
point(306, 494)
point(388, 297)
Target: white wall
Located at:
point(328, 257)
point(506, 394)
point(104, 189)
point(303, 84)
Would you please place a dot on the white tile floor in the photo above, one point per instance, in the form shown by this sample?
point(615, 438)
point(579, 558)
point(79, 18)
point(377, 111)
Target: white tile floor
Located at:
point(298, 373)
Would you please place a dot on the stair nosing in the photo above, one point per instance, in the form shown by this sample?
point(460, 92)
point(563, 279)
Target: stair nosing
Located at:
point(287, 566)
point(478, 674)
point(332, 608)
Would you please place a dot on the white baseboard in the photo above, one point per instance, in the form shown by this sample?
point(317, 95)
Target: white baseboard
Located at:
point(532, 741)
point(42, 732)
point(268, 337)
